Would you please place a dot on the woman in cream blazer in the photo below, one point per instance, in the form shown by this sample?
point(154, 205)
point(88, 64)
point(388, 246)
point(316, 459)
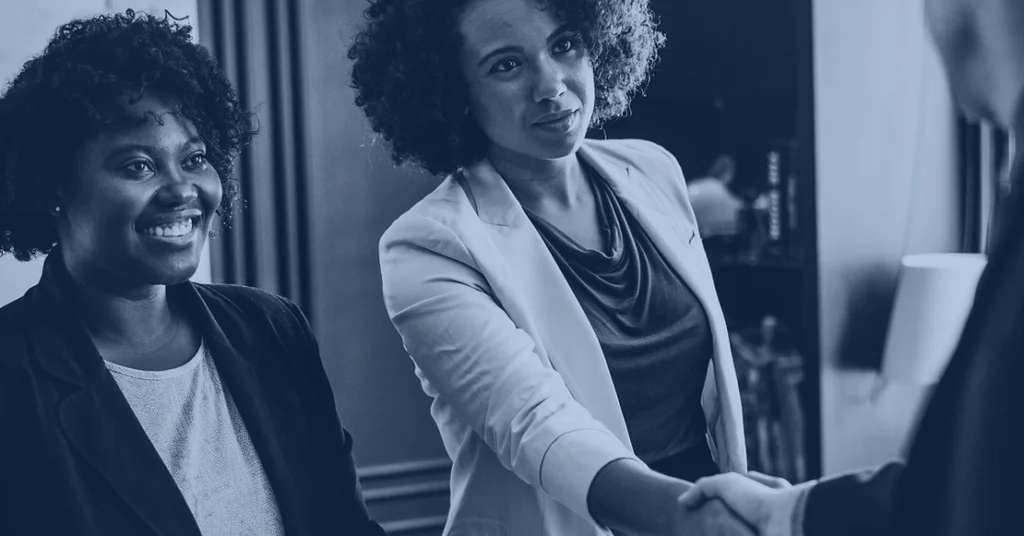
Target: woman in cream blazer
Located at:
point(523, 392)
point(522, 395)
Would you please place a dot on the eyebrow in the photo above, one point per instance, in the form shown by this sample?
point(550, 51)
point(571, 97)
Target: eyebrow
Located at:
point(506, 49)
point(138, 147)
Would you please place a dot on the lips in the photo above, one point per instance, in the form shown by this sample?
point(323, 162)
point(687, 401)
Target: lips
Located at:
point(174, 225)
point(552, 118)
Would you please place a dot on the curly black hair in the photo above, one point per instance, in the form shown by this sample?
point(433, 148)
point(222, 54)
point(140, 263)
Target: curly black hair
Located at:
point(82, 82)
point(409, 85)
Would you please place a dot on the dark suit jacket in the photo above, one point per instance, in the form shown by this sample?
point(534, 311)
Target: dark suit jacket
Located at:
point(75, 460)
point(965, 471)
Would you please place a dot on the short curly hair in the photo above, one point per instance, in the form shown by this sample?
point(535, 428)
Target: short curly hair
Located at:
point(409, 85)
point(82, 82)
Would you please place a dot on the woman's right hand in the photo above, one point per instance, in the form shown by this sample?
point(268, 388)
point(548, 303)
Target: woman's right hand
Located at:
point(773, 482)
point(763, 501)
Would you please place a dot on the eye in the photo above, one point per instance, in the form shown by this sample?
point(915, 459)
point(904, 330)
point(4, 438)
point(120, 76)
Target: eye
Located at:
point(565, 45)
point(196, 160)
point(505, 65)
point(139, 167)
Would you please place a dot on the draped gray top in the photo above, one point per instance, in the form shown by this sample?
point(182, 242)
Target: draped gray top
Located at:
point(653, 331)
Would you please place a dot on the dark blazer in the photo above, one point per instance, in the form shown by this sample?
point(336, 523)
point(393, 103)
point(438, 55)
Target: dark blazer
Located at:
point(965, 471)
point(75, 460)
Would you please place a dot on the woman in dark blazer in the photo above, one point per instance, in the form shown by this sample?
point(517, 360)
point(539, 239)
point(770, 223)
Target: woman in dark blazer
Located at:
point(133, 401)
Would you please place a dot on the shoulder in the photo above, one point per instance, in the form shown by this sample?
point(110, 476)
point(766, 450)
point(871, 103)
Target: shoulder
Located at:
point(653, 167)
point(242, 297)
point(250, 306)
point(642, 154)
point(12, 319)
point(435, 223)
point(14, 324)
point(23, 385)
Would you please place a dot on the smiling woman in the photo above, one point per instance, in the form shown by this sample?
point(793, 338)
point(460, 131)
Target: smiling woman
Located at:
point(140, 402)
point(553, 292)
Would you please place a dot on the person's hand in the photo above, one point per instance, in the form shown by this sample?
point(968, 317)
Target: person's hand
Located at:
point(710, 518)
point(773, 482)
point(764, 501)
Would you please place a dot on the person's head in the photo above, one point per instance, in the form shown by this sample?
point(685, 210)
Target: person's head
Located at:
point(981, 43)
point(451, 82)
point(117, 145)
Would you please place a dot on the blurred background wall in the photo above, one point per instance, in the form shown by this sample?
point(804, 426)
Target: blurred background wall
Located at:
point(886, 151)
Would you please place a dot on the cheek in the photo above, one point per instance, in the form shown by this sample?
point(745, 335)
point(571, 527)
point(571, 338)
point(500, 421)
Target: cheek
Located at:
point(582, 84)
point(211, 188)
point(103, 207)
point(496, 106)
point(588, 88)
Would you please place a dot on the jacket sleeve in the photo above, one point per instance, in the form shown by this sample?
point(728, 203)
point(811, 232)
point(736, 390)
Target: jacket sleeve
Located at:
point(853, 504)
point(352, 501)
point(485, 368)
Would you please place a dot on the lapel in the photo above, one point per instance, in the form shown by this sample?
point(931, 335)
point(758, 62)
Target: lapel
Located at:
point(674, 239)
point(531, 289)
point(101, 426)
point(95, 417)
point(276, 415)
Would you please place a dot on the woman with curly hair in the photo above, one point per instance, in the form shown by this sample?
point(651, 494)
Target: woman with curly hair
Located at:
point(133, 401)
point(553, 292)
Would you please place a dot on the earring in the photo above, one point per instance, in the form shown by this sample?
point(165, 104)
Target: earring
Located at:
point(56, 209)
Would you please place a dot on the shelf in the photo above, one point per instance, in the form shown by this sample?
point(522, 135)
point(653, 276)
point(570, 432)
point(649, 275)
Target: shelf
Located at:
point(766, 263)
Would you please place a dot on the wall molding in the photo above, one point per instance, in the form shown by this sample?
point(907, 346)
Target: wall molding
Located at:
point(404, 469)
point(418, 524)
point(399, 495)
point(406, 491)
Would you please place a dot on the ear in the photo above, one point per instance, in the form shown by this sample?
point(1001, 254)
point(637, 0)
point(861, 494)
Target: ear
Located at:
point(56, 202)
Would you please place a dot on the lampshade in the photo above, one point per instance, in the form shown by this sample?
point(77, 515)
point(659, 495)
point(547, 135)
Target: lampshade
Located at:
point(933, 296)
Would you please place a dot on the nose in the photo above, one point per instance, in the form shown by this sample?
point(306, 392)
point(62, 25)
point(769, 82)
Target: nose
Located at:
point(177, 189)
point(549, 80)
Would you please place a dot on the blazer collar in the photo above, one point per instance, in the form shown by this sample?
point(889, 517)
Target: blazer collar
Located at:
point(497, 205)
point(62, 342)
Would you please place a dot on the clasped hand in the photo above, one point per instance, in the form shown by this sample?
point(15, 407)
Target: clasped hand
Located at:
point(737, 504)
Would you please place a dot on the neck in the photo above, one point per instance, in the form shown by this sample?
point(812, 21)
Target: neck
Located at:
point(118, 314)
point(542, 185)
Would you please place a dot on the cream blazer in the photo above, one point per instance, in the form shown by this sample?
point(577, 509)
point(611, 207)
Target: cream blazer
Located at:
point(521, 391)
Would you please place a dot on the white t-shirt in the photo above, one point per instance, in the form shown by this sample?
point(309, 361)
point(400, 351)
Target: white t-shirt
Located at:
point(193, 423)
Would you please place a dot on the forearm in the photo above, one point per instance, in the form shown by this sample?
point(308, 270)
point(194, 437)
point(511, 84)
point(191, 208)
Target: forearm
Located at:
point(627, 496)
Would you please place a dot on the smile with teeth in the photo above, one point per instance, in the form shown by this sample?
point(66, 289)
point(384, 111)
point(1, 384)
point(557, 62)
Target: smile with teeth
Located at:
point(170, 230)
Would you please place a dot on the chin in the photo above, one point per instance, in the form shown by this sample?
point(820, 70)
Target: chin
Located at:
point(560, 149)
point(175, 277)
point(170, 272)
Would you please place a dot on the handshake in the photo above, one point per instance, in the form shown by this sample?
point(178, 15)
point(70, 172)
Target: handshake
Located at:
point(739, 504)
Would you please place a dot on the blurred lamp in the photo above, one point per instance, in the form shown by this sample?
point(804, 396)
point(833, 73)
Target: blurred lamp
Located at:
point(933, 296)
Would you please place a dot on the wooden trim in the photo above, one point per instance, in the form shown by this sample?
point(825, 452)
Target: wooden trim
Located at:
point(810, 324)
point(406, 491)
point(432, 474)
point(404, 469)
point(415, 524)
